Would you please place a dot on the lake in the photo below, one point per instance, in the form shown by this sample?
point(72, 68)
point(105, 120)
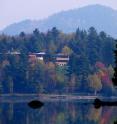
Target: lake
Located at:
point(77, 111)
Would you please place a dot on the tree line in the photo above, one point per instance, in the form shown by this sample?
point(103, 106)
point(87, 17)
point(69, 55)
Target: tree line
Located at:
point(89, 70)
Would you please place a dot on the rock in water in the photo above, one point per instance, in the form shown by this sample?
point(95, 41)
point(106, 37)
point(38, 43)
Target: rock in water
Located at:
point(97, 103)
point(35, 104)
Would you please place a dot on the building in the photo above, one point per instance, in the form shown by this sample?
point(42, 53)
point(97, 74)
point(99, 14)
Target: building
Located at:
point(33, 57)
point(14, 53)
point(61, 59)
point(40, 56)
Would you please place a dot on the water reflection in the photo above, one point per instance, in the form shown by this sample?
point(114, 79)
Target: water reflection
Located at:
point(56, 113)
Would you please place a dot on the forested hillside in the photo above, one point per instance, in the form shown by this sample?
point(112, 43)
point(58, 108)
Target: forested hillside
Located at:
point(89, 69)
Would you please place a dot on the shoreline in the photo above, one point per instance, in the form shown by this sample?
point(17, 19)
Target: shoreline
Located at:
point(16, 98)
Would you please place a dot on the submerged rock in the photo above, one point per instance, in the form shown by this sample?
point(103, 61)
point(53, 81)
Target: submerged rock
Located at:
point(35, 104)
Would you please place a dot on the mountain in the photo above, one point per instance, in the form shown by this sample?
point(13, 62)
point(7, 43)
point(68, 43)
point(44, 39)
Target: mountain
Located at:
point(101, 17)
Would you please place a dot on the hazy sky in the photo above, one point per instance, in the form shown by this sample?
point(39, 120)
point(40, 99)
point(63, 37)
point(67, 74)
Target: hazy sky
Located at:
point(17, 10)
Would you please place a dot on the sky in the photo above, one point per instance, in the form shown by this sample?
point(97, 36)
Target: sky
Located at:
point(12, 11)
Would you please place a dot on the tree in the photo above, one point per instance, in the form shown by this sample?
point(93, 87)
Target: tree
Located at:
point(66, 50)
point(36, 32)
point(111, 71)
point(107, 52)
point(61, 78)
point(79, 66)
point(92, 46)
point(95, 83)
point(22, 34)
point(37, 74)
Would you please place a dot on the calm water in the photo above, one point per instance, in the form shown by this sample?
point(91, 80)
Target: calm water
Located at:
point(58, 112)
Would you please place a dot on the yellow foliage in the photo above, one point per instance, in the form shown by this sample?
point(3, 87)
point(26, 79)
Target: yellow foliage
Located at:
point(66, 50)
point(95, 82)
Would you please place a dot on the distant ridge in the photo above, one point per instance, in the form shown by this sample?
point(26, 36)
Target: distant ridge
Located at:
point(101, 17)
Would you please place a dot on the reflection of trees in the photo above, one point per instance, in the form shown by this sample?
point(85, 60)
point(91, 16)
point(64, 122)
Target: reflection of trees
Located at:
point(71, 113)
point(56, 113)
point(94, 114)
point(106, 115)
point(27, 118)
point(11, 111)
point(60, 118)
point(1, 114)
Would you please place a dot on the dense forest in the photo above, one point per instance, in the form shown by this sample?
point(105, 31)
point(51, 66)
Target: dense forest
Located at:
point(89, 70)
